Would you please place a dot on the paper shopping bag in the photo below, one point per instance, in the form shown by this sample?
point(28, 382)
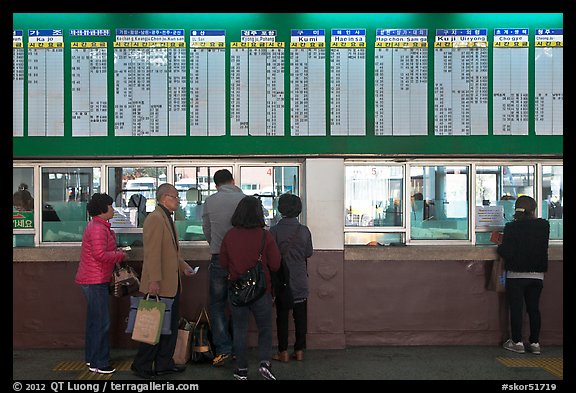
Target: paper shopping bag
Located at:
point(183, 343)
point(148, 321)
point(135, 301)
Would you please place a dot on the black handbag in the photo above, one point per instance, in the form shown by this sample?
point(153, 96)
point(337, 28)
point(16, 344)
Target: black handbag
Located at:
point(251, 285)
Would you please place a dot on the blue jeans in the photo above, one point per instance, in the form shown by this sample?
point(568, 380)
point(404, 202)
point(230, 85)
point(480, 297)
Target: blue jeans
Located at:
point(217, 308)
point(262, 311)
point(97, 351)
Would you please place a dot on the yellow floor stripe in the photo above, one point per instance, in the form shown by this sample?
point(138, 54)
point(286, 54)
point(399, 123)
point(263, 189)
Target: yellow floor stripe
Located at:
point(554, 366)
point(75, 365)
point(70, 366)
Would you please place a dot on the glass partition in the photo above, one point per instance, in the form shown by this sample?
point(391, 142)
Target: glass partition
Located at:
point(374, 196)
point(268, 183)
point(194, 185)
point(553, 199)
point(439, 202)
point(65, 193)
point(497, 188)
point(134, 192)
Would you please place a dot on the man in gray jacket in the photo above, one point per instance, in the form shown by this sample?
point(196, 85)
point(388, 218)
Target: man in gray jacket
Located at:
point(218, 210)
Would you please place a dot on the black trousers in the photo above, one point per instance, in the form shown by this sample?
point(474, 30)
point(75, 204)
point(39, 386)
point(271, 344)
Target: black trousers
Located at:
point(300, 315)
point(520, 291)
point(158, 357)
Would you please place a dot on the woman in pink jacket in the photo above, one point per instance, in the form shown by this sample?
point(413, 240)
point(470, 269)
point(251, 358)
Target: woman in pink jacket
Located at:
point(98, 256)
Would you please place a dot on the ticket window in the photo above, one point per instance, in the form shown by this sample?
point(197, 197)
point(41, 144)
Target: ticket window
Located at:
point(267, 183)
point(497, 188)
point(65, 194)
point(553, 199)
point(442, 203)
point(23, 211)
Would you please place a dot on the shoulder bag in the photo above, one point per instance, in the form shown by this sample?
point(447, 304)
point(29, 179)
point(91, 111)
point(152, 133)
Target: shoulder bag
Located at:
point(124, 280)
point(251, 285)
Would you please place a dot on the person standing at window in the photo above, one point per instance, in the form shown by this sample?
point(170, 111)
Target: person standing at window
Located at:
point(524, 248)
point(238, 253)
point(295, 243)
point(218, 210)
point(161, 276)
point(97, 258)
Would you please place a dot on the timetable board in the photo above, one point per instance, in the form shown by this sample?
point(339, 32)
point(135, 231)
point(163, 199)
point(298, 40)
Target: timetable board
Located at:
point(307, 82)
point(257, 84)
point(200, 103)
point(150, 82)
point(207, 82)
point(17, 83)
point(348, 82)
point(549, 82)
point(461, 82)
point(45, 82)
point(401, 82)
point(510, 81)
point(89, 74)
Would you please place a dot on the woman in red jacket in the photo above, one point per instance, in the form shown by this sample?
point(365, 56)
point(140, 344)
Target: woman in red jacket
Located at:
point(238, 253)
point(97, 258)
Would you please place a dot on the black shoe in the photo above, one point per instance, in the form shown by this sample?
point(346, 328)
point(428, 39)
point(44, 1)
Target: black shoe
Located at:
point(142, 373)
point(173, 370)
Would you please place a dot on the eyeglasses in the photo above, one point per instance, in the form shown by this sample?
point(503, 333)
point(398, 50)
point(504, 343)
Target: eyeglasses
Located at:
point(175, 197)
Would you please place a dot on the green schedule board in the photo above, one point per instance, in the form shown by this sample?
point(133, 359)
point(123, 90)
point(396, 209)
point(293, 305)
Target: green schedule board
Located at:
point(287, 84)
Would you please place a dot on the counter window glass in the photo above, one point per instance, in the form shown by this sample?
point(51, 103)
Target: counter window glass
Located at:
point(194, 185)
point(374, 196)
point(134, 192)
point(268, 183)
point(553, 199)
point(23, 207)
point(65, 193)
point(497, 188)
point(439, 202)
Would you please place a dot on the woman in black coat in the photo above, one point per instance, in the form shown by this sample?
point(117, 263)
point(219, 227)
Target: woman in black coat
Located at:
point(524, 248)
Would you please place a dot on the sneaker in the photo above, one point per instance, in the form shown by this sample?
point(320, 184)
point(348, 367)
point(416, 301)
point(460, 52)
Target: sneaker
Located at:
point(514, 347)
point(241, 374)
point(219, 360)
point(535, 348)
point(266, 371)
point(103, 370)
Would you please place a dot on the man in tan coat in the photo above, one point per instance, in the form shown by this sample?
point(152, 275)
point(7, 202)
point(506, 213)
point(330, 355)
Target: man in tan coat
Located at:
point(161, 276)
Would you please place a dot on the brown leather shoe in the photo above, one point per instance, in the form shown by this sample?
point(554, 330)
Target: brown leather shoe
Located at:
point(281, 356)
point(298, 355)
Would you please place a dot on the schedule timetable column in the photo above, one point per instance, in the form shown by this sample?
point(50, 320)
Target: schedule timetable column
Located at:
point(207, 82)
point(17, 83)
point(89, 71)
point(150, 82)
point(510, 81)
point(308, 82)
point(257, 84)
point(401, 82)
point(461, 82)
point(45, 83)
point(348, 82)
point(549, 80)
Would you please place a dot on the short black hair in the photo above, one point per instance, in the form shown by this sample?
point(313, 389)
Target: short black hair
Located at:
point(99, 203)
point(222, 176)
point(289, 205)
point(248, 213)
